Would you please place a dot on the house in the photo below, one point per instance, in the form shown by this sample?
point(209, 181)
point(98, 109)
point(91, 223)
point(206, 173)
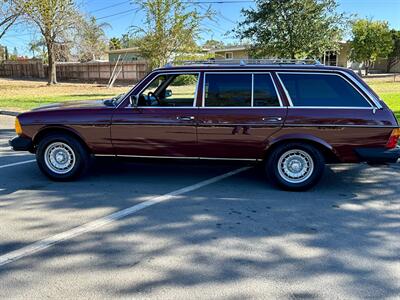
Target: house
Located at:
point(331, 58)
point(125, 54)
point(231, 52)
point(340, 58)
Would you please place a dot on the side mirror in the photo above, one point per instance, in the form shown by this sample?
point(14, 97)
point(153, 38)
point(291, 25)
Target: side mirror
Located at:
point(168, 93)
point(133, 100)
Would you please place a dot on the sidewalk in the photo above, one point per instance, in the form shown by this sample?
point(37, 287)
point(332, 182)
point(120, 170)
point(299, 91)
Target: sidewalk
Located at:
point(6, 122)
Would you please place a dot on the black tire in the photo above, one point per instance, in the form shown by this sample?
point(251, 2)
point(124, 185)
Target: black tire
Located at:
point(314, 170)
point(81, 158)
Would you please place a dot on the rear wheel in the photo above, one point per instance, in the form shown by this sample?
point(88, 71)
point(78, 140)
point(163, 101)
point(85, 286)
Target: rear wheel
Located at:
point(295, 166)
point(61, 157)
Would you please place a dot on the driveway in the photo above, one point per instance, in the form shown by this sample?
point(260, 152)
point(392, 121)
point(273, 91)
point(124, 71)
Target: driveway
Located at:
point(189, 230)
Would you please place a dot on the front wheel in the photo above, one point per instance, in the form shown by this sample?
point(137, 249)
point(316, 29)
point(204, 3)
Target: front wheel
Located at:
point(295, 166)
point(61, 157)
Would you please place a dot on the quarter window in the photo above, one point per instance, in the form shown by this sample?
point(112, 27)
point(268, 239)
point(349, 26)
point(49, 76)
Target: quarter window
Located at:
point(228, 90)
point(322, 90)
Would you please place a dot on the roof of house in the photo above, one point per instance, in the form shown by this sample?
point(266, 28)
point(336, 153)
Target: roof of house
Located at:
point(124, 50)
point(230, 48)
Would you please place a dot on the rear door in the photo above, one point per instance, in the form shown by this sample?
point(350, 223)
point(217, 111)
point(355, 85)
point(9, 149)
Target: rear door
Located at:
point(239, 112)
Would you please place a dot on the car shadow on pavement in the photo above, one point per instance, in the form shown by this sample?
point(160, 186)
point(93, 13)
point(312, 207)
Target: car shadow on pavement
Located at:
point(340, 238)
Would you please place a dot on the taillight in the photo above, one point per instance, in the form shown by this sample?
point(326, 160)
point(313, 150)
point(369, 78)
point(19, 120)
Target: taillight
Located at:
point(393, 139)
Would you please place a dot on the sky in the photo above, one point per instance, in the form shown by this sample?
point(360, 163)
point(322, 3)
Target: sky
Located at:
point(122, 14)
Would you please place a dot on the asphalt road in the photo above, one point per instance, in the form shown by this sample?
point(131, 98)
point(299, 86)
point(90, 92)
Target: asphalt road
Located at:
point(180, 230)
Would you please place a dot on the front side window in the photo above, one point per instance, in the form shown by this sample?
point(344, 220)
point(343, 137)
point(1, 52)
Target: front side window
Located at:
point(321, 90)
point(227, 90)
point(170, 90)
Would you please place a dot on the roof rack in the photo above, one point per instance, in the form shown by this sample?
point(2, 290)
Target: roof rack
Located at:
point(244, 62)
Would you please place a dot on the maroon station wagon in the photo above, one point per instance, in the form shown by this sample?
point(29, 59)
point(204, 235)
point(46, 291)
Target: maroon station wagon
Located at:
point(293, 116)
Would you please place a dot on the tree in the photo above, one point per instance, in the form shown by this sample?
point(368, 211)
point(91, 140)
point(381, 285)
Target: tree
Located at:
point(55, 20)
point(9, 14)
point(92, 42)
point(371, 39)
point(34, 47)
point(114, 43)
point(128, 40)
point(38, 49)
point(14, 55)
point(213, 44)
point(2, 53)
point(293, 28)
point(170, 28)
point(394, 56)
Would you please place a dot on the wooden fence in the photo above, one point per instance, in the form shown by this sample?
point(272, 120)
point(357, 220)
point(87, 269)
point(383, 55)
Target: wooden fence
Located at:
point(99, 71)
point(20, 69)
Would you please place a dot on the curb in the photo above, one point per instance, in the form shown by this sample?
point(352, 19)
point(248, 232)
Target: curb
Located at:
point(9, 113)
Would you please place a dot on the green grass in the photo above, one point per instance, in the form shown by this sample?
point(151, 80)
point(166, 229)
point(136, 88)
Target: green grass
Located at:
point(393, 101)
point(22, 103)
point(389, 91)
point(22, 95)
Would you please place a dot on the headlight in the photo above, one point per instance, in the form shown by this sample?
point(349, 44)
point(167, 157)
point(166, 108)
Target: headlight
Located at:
point(18, 128)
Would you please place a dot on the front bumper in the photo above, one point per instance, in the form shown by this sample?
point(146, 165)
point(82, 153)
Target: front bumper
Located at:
point(19, 143)
point(378, 155)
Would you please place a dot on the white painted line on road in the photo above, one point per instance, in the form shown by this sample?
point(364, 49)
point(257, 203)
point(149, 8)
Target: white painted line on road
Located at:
point(17, 163)
point(91, 226)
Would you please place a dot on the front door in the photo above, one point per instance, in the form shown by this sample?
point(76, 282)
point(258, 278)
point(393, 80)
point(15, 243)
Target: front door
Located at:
point(240, 111)
point(164, 123)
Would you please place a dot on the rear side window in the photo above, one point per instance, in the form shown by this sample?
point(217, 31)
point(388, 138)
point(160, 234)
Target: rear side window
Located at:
point(264, 91)
point(322, 90)
point(228, 90)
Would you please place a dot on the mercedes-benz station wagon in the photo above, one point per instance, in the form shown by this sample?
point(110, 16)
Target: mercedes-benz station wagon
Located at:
point(292, 116)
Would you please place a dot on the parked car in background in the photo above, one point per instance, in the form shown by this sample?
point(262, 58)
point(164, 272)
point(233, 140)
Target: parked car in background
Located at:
point(293, 116)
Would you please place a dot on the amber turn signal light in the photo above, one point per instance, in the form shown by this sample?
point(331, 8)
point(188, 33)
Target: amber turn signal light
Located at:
point(18, 128)
point(393, 139)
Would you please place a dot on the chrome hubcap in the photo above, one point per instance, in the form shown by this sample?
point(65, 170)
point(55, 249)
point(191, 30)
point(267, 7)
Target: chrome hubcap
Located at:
point(295, 166)
point(59, 158)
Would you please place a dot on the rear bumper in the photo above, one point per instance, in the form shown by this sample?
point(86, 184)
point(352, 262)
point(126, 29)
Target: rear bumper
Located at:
point(19, 143)
point(378, 155)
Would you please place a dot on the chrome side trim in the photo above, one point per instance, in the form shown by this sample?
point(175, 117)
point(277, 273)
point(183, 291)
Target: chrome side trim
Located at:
point(187, 123)
point(337, 125)
point(345, 77)
point(162, 107)
point(265, 124)
point(331, 107)
point(243, 107)
point(178, 157)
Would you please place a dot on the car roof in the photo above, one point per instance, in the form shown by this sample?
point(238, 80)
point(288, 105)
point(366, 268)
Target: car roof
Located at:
point(234, 67)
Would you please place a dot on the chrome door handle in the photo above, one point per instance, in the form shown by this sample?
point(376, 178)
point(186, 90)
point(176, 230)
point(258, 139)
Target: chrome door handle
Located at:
point(273, 119)
point(185, 118)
